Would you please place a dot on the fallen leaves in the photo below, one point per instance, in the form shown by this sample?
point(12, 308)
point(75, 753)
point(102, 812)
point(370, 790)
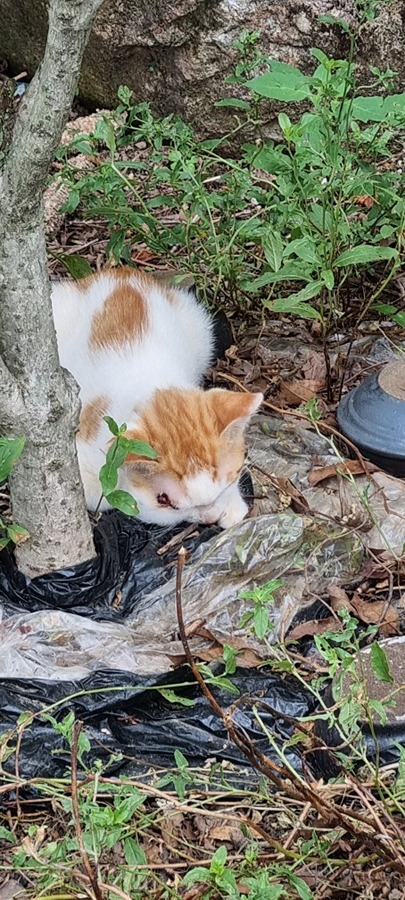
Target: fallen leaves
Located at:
point(300, 391)
point(368, 611)
point(349, 467)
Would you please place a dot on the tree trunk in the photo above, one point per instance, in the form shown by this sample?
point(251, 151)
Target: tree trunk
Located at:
point(38, 398)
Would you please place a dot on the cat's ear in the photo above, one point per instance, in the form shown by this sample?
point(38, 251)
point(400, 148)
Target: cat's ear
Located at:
point(141, 459)
point(234, 408)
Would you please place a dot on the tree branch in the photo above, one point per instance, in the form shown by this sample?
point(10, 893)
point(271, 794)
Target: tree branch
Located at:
point(44, 110)
point(38, 398)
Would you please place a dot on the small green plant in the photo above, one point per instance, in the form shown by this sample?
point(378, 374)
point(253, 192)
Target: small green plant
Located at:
point(219, 878)
point(10, 451)
point(220, 881)
point(116, 455)
point(293, 224)
point(181, 778)
point(324, 169)
point(259, 617)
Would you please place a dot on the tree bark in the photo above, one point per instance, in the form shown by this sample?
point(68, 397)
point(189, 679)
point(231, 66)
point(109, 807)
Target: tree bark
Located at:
point(39, 399)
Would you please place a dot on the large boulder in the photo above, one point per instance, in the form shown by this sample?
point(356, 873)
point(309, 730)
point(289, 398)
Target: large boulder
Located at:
point(177, 54)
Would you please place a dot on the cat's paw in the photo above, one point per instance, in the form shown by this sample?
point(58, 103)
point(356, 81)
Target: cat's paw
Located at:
point(236, 510)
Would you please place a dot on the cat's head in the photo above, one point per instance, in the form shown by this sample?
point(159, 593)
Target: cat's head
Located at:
point(199, 440)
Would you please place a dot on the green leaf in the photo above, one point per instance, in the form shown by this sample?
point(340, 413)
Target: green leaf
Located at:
point(365, 253)
point(219, 859)
point(82, 144)
point(7, 835)
point(84, 745)
point(108, 474)
point(172, 697)
point(293, 307)
point(399, 318)
point(104, 131)
point(124, 501)
point(115, 246)
point(290, 272)
point(10, 450)
point(328, 279)
point(233, 102)
point(379, 663)
point(300, 886)
point(77, 266)
point(160, 200)
point(385, 308)
point(313, 289)
point(304, 248)
point(72, 202)
point(282, 82)
point(17, 533)
point(333, 20)
point(139, 448)
point(134, 855)
point(108, 477)
point(284, 122)
point(273, 249)
point(112, 425)
point(379, 709)
point(224, 683)
point(197, 874)
point(261, 621)
point(181, 761)
point(320, 56)
point(125, 94)
point(376, 108)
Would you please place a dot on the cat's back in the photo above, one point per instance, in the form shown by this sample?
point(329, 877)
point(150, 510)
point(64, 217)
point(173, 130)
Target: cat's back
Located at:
point(120, 311)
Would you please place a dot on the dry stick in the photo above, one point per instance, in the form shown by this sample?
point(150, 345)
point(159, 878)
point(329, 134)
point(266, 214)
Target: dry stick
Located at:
point(297, 827)
point(327, 810)
point(177, 539)
point(91, 874)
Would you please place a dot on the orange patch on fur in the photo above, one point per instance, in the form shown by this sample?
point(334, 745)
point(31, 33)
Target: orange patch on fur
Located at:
point(90, 418)
point(123, 318)
point(187, 428)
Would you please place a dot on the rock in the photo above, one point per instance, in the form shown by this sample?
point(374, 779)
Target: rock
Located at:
point(177, 55)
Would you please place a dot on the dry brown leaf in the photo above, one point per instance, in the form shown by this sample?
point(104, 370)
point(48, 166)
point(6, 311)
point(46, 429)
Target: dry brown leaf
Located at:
point(210, 653)
point(177, 659)
point(299, 391)
point(313, 626)
point(224, 831)
point(338, 598)
point(246, 656)
point(351, 466)
point(171, 828)
point(285, 486)
point(365, 200)
point(370, 613)
point(314, 366)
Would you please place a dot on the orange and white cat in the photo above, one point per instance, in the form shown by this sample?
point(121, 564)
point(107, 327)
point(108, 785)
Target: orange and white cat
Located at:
point(138, 351)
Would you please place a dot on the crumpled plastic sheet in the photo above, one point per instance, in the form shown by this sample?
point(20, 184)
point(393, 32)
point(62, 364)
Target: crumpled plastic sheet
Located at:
point(59, 644)
point(102, 640)
point(375, 506)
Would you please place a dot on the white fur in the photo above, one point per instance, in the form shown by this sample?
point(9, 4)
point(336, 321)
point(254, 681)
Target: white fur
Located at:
point(174, 352)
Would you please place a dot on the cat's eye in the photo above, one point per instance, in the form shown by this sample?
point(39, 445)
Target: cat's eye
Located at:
point(163, 500)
